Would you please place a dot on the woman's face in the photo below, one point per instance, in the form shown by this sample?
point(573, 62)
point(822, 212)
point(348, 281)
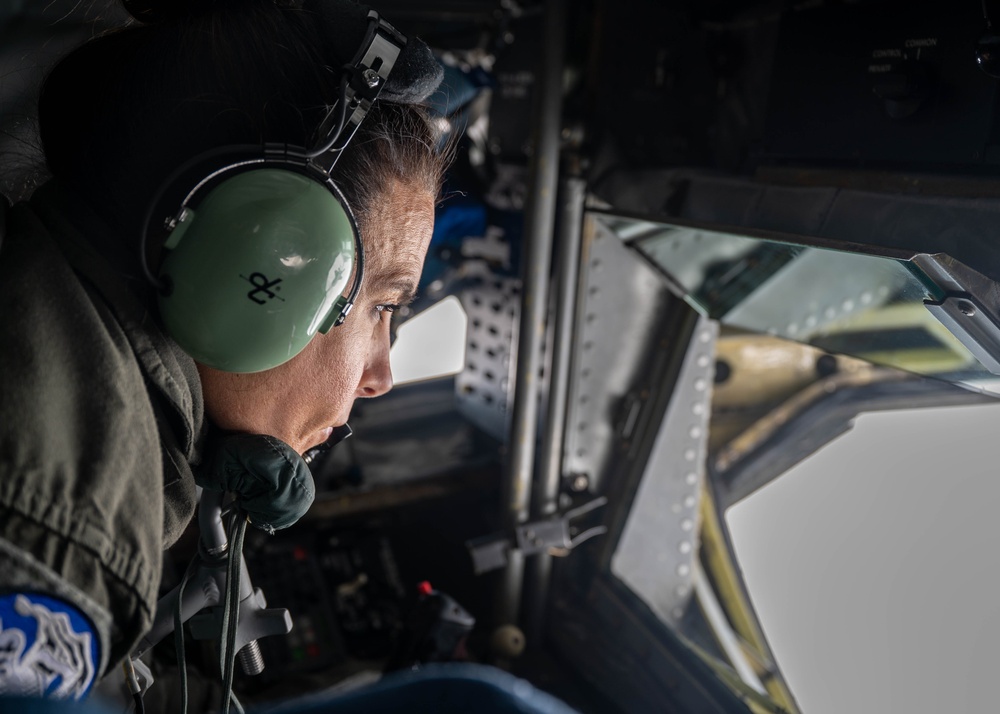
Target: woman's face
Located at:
point(302, 400)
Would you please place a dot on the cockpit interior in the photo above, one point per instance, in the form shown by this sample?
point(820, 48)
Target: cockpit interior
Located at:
point(684, 246)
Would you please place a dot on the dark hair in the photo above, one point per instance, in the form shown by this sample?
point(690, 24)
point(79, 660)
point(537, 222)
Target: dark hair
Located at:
point(120, 113)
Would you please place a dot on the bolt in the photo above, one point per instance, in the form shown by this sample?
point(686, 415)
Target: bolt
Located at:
point(171, 222)
point(580, 483)
point(371, 78)
point(966, 308)
point(826, 365)
point(251, 659)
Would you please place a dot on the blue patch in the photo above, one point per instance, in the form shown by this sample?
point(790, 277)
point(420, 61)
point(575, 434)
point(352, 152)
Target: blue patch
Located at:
point(48, 648)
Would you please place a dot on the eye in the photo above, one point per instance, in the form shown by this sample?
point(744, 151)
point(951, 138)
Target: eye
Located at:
point(386, 308)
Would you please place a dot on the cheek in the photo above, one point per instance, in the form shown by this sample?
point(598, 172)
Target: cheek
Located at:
point(305, 393)
point(237, 402)
point(336, 361)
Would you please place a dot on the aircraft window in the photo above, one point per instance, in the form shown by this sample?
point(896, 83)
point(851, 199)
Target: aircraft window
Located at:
point(431, 344)
point(868, 564)
point(748, 405)
point(861, 304)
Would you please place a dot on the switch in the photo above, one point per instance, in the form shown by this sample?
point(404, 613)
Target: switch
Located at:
point(903, 88)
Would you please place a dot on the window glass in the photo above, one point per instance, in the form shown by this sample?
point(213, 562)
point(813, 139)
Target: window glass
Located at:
point(431, 344)
point(870, 565)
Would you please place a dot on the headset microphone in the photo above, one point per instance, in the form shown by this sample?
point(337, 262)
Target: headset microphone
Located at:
point(262, 249)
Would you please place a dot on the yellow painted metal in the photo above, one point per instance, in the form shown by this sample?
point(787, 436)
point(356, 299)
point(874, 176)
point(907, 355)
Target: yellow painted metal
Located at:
point(725, 578)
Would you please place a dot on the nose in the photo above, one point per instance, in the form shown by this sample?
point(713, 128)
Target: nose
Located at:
point(376, 379)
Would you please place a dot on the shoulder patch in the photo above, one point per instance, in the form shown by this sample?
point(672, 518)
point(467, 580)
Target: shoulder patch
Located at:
point(48, 648)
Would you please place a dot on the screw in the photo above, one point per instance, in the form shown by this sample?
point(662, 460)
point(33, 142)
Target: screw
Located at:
point(826, 365)
point(580, 483)
point(171, 221)
point(966, 308)
point(251, 659)
point(371, 78)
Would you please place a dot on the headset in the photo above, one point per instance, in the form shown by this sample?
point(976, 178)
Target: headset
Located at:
point(260, 252)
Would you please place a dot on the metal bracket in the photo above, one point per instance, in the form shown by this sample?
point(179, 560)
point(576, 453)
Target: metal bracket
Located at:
point(203, 593)
point(553, 535)
point(368, 74)
point(256, 620)
point(663, 523)
point(973, 324)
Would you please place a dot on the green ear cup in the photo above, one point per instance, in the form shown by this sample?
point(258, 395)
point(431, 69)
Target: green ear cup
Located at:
point(257, 269)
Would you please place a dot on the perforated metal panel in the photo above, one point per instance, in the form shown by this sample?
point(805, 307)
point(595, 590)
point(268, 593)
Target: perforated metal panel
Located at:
point(484, 388)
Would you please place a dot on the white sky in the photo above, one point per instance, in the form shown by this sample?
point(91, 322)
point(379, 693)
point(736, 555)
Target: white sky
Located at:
point(432, 344)
point(874, 565)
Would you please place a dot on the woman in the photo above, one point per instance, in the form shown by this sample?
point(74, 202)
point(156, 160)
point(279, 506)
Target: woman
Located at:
point(104, 419)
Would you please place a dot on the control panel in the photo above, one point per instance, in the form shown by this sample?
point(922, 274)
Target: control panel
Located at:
point(882, 84)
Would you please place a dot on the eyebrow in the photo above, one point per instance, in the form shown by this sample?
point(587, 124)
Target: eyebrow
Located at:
point(402, 283)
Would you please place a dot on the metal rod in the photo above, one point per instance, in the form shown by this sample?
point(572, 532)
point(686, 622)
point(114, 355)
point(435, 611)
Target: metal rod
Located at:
point(538, 227)
point(545, 493)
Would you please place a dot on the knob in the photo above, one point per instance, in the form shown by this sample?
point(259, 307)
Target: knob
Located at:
point(903, 89)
